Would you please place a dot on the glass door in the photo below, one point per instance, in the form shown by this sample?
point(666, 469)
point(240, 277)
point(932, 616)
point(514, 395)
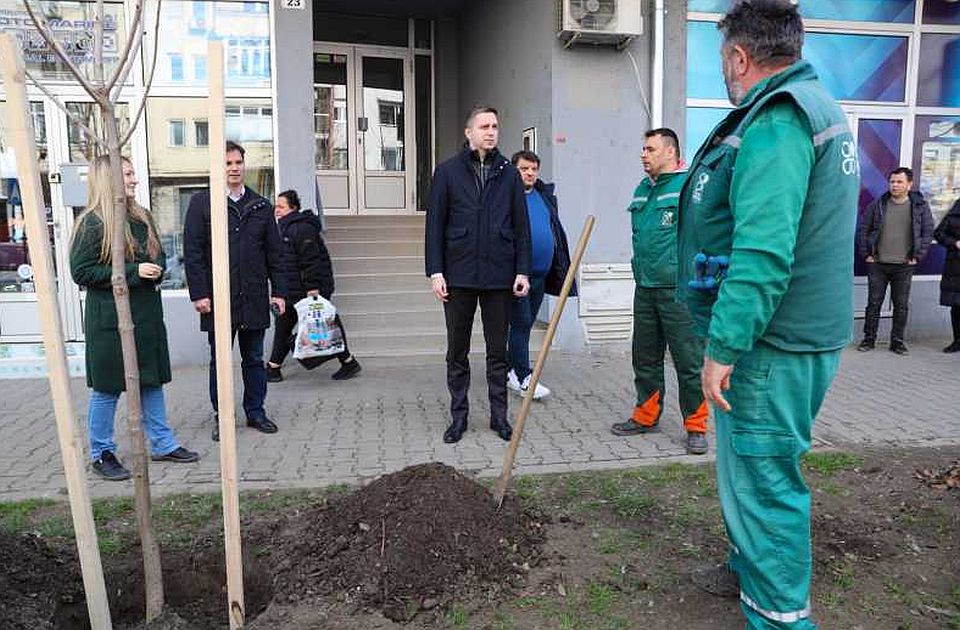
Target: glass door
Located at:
point(364, 129)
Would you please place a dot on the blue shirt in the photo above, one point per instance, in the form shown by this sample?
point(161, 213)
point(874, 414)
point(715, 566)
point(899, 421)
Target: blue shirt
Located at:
point(541, 234)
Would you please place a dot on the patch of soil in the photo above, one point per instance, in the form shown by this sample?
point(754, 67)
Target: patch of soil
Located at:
point(409, 541)
point(39, 585)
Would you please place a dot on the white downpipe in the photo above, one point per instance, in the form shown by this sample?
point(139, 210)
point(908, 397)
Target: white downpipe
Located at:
point(659, 45)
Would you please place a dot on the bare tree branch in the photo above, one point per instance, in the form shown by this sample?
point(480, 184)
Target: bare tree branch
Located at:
point(98, 45)
point(135, 42)
point(76, 120)
point(41, 25)
point(146, 88)
point(136, 28)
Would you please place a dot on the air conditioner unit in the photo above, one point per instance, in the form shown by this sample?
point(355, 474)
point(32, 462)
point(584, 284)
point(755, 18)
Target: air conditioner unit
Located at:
point(611, 22)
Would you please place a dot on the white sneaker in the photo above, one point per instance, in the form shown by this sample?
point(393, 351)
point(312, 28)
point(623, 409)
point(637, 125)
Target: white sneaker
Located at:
point(541, 391)
point(513, 382)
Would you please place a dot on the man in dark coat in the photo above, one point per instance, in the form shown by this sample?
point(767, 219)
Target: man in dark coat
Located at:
point(477, 251)
point(895, 234)
point(948, 235)
point(255, 257)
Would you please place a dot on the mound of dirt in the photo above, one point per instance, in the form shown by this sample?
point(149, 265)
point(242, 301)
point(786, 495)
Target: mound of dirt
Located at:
point(40, 588)
point(409, 541)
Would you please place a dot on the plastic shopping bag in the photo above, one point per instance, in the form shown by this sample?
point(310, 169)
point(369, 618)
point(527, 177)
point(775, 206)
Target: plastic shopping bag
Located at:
point(318, 334)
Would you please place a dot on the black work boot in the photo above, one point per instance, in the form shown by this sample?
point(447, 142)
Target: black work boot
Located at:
point(717, 580)
point(274, 375)
point(455, 431)
point(110, 468)
point(630, 427)
point(502, 428)
point(348, 369)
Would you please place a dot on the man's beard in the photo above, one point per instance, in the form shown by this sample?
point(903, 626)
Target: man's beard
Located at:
point(735, 91)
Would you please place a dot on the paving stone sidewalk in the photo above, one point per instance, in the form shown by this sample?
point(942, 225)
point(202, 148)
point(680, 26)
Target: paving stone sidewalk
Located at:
point(393, 415)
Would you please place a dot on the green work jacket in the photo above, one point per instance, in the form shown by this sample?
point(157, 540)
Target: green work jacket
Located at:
point(775, 188)
point(653, 216)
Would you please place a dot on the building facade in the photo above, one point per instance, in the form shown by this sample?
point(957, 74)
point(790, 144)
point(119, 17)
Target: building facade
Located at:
point(353, 102)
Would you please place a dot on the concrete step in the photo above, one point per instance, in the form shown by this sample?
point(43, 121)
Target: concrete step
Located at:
point(428, 318)
point(349, 265)
point(385, 301)
point(398, 220)
point(28, 360)
point(418, 343)
point(358, 249)
point(352, 233)
point(368, 283)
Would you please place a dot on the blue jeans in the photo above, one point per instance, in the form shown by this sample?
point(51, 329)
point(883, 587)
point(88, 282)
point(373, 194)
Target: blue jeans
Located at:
point(103, 408)
point(522, 316)
point(251, 366)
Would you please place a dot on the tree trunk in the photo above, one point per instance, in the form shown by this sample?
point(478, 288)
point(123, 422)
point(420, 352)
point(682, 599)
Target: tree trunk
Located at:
point(152, 570)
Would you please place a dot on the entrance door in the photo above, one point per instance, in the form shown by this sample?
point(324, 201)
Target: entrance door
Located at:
point(364, 130)
point(58, 142)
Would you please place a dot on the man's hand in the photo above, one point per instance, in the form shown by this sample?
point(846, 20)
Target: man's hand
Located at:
point(871, 259)
point(521, 285)
point(439, 287)
point(715, 379)
point(314, 293)
point(913, 261)
point(203, 305)
point(149, 271)
point(280, 303)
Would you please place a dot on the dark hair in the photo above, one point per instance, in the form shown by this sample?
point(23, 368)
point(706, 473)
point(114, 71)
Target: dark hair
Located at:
point(234, 146)
point(292, 198)
point(770, 30)
point(669, 137)
point(903, 170)
point(480, 109)
point(529, 156)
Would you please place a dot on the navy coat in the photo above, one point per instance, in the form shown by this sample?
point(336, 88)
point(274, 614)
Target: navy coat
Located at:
point(306, 261)
point(478, 232)
point(255, 256)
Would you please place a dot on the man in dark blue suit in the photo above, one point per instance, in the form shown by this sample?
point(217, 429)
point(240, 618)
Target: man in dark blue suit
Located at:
point(477, 251)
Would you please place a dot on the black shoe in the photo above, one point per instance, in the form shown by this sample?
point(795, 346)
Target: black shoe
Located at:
point(629, 427)
point(953, 347)
point(898, 347)
point(215, 435)
point(455, 431)
point(347, 370)
point(696, 443)
point(110, 468)
point(179, 455)
point(503, 429)
point(865, 346)
point(273, 374)
point(263, 425)
point(717, 580)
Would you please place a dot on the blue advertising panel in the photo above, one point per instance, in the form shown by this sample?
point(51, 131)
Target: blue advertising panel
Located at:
point(878, 143)
point(897, 11)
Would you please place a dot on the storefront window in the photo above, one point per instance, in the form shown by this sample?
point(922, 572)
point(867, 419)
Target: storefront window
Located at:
point(700, 122)
point(704, 70)
point(177, 172)
point(878, 143)
point(72, 25)
point(941, 12)
point(874, 68)
point(937, 160)
point(939, 70)
point(186, 28)
point(898, 11)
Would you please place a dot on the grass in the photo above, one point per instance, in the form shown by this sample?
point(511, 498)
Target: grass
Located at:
point(15, 517)
point(458, 617)
point(830, 463)
point(599, 598)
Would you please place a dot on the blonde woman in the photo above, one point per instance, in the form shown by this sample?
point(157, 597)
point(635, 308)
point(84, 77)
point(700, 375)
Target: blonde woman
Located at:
point(90, 255)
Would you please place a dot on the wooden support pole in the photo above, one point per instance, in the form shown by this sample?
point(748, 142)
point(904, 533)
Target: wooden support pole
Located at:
point(511, 453)
point(20, 127)
point(220, 255)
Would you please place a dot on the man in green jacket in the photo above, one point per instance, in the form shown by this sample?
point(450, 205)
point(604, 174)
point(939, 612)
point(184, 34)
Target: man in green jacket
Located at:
point(766, 266)
point(659, 319)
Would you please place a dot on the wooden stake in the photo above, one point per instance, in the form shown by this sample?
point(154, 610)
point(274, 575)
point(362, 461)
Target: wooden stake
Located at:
point(220, 254)
point(20, 127)
point(511, 453)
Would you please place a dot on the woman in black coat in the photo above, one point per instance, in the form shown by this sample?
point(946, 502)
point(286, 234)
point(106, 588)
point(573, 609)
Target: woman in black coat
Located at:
point(307, 271)
point(948, 235)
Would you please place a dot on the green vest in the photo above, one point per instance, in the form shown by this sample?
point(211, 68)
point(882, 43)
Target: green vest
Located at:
point(653, 216)
point(816, 312)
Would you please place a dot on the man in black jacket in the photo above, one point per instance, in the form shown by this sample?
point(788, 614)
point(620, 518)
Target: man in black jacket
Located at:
point(255, 256)
point(895, 234)
point(477, 250)
point(307, 271)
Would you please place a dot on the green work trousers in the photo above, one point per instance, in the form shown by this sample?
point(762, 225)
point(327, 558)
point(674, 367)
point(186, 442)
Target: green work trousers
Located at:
point(775, 396)
point(659, 320)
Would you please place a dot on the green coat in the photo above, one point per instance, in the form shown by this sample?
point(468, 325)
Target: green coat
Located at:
point(104, 358)
point(775, 188)
point(653, 216)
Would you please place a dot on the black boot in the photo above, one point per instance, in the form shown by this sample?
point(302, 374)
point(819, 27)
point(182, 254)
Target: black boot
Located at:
point(502, 428)
point(455, 431)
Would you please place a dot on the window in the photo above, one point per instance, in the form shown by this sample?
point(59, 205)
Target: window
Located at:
point(201, 131)
point(898, 11)
point(389, 113)
point(200, 68)
point(939, 70)
point(176, 133)
point(176, 67)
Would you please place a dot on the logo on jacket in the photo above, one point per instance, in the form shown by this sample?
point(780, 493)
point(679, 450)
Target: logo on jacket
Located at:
point(702, 181)
point(667, 218)
point(848, 150)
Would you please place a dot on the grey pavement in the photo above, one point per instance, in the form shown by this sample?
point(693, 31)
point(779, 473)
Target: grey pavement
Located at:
point(393, 415)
